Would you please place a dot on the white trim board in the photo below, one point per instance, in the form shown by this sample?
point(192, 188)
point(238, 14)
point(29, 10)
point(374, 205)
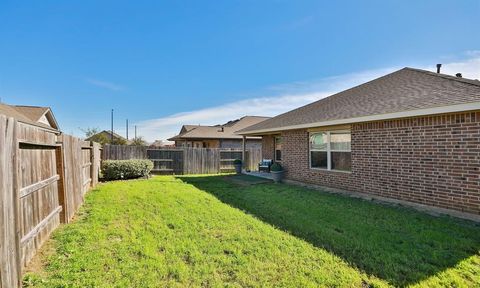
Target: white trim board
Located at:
point(387, 116)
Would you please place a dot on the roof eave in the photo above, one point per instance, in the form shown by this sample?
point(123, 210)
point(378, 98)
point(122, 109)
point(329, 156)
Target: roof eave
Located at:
point(53, 119)
point(43, 127)
point(377, 117)
point(207, 138)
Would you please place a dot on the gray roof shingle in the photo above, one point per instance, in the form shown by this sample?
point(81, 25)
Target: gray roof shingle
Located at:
point(404, 90)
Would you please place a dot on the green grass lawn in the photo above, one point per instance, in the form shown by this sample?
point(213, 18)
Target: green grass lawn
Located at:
point(209, 231)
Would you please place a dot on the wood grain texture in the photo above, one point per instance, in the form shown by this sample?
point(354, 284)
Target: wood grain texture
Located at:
point(38, 193)
point(186, 160)
point(43, 179)
point(10, 275)
point(123, 152)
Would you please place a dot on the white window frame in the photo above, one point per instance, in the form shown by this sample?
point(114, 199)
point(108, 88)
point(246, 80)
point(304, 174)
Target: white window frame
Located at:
point(329, 150)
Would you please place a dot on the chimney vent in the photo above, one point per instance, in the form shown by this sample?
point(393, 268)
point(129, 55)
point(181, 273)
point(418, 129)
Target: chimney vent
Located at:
point(459, 75)
point(438, 67)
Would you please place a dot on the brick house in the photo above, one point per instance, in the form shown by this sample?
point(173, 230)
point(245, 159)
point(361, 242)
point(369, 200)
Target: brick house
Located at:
point(218, 136)
point(411, 135)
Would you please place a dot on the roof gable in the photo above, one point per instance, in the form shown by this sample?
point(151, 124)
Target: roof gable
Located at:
point(224, 131)
point(39, 116)
point(404, 90)
point(107, 134)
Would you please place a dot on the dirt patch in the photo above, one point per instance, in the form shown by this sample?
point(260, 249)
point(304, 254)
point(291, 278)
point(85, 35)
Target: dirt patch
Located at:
point(39, 261)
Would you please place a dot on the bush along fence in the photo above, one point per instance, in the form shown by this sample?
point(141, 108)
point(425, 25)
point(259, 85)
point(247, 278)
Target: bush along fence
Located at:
point(43, 178)
point(126, 169)
point(185, 160)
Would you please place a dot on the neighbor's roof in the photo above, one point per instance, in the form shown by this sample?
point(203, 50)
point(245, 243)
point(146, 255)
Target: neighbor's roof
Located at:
point(215, 132)
point(32, 112)
point(29, 114)
point(405, 93)
point(189, 127)
point(107, 133)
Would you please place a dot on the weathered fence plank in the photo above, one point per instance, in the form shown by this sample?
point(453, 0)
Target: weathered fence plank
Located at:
point(43, 177)
point(37, 189)
point(10, 271)
point(123, 152)
point(25, 191)
point(185, 160)
point(95, 159)
point(81, 170)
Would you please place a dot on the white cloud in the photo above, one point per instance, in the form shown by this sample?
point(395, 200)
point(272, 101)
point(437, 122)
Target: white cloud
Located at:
point(163, 128)
point(470, 68)
point(285, 97)
point(288, 97)
point(104, 84)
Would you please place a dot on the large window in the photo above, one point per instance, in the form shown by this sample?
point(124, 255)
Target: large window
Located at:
point(331, 150)
point(278, 148)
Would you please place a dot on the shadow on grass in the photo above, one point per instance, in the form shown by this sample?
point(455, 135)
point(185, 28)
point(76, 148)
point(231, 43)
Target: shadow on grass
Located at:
point(397, 244)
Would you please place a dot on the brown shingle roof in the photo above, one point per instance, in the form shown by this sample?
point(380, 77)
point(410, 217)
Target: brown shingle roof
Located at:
point(27, 114)
point(215, 132)
point(404, 90)
point(107, 134)
point(34, 113)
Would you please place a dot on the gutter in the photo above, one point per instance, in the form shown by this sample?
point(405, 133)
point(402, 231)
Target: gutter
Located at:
point(377, 117)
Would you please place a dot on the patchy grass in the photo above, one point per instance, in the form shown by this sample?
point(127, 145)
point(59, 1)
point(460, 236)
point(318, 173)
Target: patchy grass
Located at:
point(164, 232)
point(400, 245)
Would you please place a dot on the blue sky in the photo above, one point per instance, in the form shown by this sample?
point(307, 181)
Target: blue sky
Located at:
point(166, 63)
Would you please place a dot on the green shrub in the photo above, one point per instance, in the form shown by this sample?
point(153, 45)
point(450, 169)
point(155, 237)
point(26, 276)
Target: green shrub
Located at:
point(276, 167)
point(126, 169)
point(237, 161)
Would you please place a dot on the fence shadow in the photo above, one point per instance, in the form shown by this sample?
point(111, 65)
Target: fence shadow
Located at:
point(399, 245)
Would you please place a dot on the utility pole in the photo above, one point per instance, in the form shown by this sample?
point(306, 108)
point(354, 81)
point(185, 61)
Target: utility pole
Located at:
point(111, 134)
point(127, 129)
point(135, 132)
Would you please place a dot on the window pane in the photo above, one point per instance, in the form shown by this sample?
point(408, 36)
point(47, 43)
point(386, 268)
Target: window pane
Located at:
point(318, 141)
point(318, 159)
point(278, 148)
point(341, 161)
point(340, 141)
point(278, 155)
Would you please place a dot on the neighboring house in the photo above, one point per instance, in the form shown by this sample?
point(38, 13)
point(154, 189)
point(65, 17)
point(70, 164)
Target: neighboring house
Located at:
point(218, 136)
point(411, 135)
point(38, 116)
point(105, 137)
point(161, 144)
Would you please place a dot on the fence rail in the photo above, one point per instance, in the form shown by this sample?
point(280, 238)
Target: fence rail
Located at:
point(185, 160)
point(43, 178)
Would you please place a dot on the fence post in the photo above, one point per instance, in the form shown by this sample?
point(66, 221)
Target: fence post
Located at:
point(92, 164)
point(16, 203)
point(62, 197)
point(10, 267)
point(244, 148)
point(183, 159)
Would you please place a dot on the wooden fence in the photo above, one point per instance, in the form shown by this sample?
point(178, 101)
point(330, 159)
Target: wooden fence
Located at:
point(123, 152)
point(185, 160)
point(43, 178)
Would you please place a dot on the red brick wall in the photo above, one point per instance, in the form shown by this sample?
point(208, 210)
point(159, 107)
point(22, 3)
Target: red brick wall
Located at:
point(432, 160)
point(268, 146)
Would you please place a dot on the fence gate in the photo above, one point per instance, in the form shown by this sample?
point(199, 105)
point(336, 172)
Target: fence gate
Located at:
point(43, 177)
point(168, 161)
point(37, 180)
